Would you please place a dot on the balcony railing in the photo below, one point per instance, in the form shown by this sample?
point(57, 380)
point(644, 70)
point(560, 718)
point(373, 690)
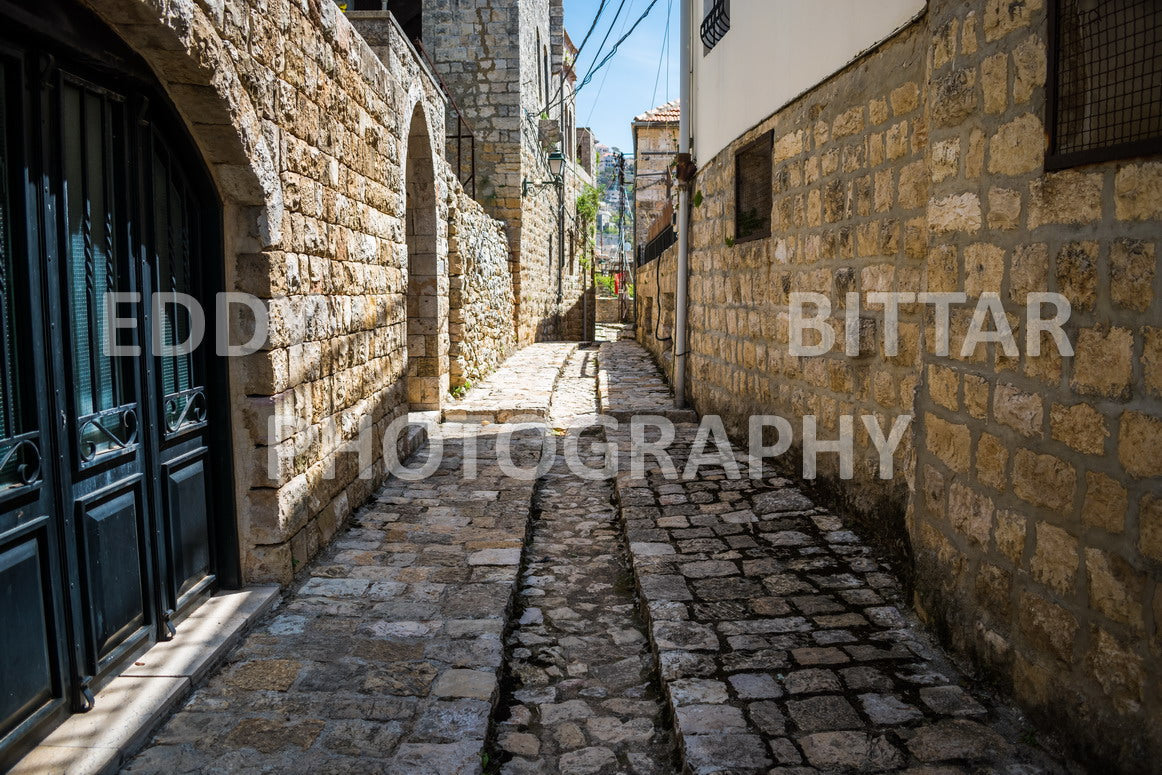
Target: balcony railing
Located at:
point(716, 24)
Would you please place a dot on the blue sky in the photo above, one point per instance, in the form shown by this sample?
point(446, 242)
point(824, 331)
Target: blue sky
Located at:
point(630, 76)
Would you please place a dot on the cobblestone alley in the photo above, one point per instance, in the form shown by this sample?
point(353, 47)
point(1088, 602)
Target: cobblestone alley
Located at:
point(579, 626)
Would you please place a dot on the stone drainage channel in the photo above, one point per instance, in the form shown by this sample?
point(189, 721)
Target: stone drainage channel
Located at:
point(581, 693)
point(578, 626)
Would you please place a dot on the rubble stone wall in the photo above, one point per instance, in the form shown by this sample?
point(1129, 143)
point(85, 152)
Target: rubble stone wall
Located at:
point(1029, 490)
point(481, 325)
point(304, 128)
point(655, 315)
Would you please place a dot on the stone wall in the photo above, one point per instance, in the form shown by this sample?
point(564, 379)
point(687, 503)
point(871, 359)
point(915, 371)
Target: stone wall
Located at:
point(481, 326)
point(492, 58)
point(655, 146)
point(654, 314)
point(849, 183)
point(1028, 491)
point(305, 130)
point(1038, 519)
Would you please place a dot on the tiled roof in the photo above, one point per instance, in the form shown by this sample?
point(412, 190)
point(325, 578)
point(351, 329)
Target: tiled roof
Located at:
point(669, 113)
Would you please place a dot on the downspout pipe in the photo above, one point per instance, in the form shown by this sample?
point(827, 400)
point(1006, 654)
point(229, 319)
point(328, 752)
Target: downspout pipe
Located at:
point(685, 168)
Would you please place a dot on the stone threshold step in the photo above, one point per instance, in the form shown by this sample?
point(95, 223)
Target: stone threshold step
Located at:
point(133, 705)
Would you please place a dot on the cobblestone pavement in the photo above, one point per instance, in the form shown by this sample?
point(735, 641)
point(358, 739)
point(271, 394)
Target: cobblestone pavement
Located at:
point(715, 625)
point(584, 696)
point(385, 658)
point(629, 383)
point(521, 386)
point(782, 642)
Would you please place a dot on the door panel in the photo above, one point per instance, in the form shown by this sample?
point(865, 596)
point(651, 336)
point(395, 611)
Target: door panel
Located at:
point(178, 241)
point(188, 520)
point(27, 675)
point(103, 396)
point(113, 564)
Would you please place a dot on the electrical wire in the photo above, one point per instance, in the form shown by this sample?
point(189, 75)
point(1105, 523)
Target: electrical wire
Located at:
point(613, 52)
point(664, 58)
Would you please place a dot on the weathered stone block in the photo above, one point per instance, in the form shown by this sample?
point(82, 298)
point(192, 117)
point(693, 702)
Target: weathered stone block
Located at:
point(1077, 273)
point(1029, 68)
point(1049, 627)
point(948, 442)
point(1009, 533)
point(1115, 588)
point(1105, 503)
point(1080, 426)
point(1018, 146)
point(1043, 480)
point(1150, 526)
point(1004, 208)
point(1152, 359)
point(1132, 269)
point(970, 513)
point(1055, 558)
point(1065, 197)
point(994, 76)
point(1002, 17)
point(1103, 362)
point(992, 455)
point(960, 212)
point(953, 97)
point(1020, 411)
point(1138, 444)
point(1138, 192)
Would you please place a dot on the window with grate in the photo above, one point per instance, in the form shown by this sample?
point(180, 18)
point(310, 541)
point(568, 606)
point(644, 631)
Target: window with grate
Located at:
point(715, 22)
point(1105, 80)
point(752, 190)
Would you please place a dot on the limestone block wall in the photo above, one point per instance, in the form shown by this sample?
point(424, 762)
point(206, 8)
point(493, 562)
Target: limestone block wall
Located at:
point(1038, 516)
point(305, 130)
point(655, 145)
point(1029, 491)
point(850, 184)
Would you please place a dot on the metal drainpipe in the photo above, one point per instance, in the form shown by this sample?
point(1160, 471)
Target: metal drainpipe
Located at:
point(684, 144)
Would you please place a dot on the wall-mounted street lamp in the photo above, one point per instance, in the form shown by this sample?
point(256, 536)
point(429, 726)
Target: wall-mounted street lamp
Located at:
point(556, 167)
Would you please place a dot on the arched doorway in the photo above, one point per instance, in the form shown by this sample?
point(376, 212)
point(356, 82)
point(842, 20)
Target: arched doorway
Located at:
point(112, 461)
point(427, 314)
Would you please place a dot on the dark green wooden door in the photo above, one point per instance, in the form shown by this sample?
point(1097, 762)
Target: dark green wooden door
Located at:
point(109, 231)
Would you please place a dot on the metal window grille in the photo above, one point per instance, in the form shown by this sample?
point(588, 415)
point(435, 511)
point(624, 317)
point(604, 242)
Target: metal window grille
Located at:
point(752, 190)
point(1105, 80)
point(716, 23)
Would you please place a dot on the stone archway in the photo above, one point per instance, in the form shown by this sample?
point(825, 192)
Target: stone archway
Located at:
point(427, 343)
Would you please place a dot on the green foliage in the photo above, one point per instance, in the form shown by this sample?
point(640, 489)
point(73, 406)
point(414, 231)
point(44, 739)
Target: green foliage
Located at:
point(697, 198)
point(587, 203)
point(606, 283)
point(730, 242)
point(458, 392)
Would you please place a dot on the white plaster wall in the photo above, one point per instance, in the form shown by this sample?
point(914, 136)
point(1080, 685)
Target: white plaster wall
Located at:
point(776, 50)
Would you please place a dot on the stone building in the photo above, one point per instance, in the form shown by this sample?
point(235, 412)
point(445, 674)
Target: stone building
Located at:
point(195, 148)
point(655, 143)
point(948, 147)
point(509, 69)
